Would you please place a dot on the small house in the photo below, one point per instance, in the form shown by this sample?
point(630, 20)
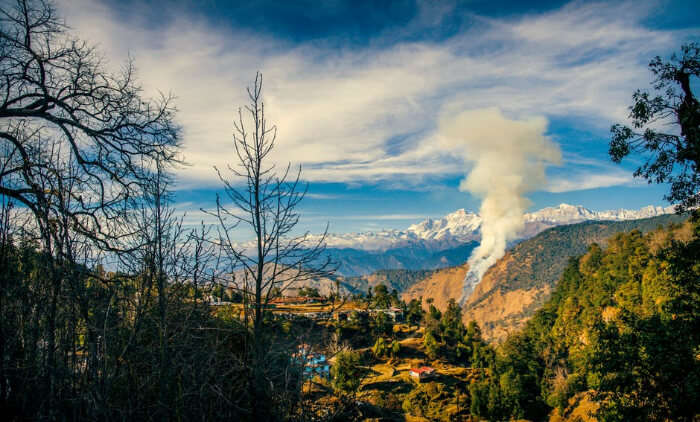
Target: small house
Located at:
point(422, 373)
point(393, 313)
point(396, 314)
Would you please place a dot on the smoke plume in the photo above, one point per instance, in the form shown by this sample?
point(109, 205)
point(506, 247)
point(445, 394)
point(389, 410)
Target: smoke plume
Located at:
point(509, 159)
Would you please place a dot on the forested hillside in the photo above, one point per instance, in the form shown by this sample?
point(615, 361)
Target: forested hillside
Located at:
point(548, 253)
point(616, 341)
point(619, 335)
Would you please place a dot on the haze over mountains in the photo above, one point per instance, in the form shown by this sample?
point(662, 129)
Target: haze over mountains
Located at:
point(448, 241)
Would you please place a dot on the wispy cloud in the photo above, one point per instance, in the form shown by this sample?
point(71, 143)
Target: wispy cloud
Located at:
point(338, 109)
point(321, 196)
point(588, 180)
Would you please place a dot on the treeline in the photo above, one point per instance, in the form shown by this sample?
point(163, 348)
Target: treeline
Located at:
point(90, 345)
point(619, 337)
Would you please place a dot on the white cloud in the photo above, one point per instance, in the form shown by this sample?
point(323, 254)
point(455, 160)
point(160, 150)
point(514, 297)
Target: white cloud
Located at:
point(320, 196)
point(588, 180)
point(337, 108)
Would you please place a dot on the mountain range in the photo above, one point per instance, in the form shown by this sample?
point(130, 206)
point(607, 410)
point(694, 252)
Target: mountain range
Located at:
point(448, 241)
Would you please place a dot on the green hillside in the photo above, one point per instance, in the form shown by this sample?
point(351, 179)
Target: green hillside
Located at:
point(534, 265)
point(620, 335)
point(549, 251)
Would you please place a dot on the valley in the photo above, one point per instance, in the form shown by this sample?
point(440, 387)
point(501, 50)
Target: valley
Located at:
point(534, 303)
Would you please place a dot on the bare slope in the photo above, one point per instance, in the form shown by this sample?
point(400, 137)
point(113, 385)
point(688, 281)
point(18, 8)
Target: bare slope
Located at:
point(440, 286)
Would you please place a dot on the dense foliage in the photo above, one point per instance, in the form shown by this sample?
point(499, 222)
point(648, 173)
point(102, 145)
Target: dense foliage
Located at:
point(108, 328)
point(347, 372)
point(447, 337)
point(666, 127)
point(622, 326)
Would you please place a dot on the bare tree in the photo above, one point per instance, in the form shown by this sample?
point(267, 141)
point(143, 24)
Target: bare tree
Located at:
point(264, 203)
point(79, 146)
point(86, 159)
point(54, 88)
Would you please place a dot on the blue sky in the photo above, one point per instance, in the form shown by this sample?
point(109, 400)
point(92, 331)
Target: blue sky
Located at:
point(358, 90)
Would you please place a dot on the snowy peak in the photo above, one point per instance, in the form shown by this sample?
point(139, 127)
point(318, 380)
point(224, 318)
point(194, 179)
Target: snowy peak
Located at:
point(623, 214)
point(459, 224)
point(563, 214)
point(567, 214)
point(462, 226)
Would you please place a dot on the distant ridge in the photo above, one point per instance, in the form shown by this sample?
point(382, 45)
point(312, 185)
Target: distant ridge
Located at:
point(448, 241)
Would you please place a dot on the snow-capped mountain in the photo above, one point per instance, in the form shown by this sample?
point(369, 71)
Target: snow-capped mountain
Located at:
point(568, 214)
point(463, 226)
point(563, 214)
point(460, 224)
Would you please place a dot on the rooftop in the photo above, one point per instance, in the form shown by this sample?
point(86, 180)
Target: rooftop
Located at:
point(422, 369)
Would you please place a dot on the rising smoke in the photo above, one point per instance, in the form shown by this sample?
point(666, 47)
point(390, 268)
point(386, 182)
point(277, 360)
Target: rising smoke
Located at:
point(509, 159)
